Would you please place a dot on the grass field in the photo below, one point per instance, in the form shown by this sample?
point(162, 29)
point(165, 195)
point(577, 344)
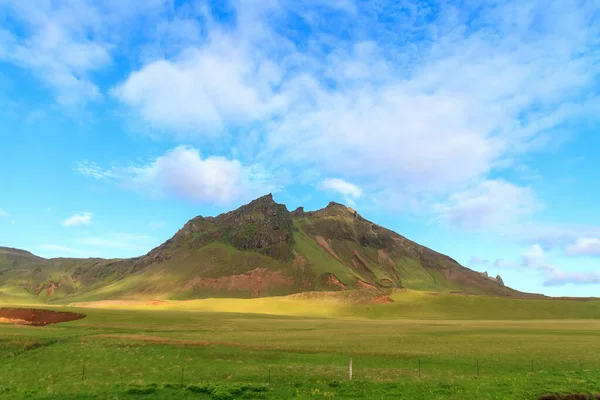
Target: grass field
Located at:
point(137, 350)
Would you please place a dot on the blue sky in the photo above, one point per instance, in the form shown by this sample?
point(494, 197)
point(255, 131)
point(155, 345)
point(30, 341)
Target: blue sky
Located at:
point(469, 127)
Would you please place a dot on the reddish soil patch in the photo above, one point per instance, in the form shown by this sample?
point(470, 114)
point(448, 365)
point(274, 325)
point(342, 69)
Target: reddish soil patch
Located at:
point(36, 317)
point(359, 258)
point(51, 288)
point(360, 266)
point(384, 257)
point(299, 261)
point(325, 244)
point(254, 282)
point(332, 281)
point(363, 285)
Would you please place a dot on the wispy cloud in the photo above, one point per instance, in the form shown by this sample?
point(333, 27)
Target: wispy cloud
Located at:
point(93, 170)
point(348, 190)
point(587, 246)
point(3, 214)
point(64, 43)
point(570, 237)
point(81, 219)
point(493, 204)
point(424, 106)
point(182, 172)
point(560, 278)
point(534, 259)
point(511, 82)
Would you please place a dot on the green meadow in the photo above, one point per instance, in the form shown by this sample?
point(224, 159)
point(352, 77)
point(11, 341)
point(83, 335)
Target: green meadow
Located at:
point(422, 346)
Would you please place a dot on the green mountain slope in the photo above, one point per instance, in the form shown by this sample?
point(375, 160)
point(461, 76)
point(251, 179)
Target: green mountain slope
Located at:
point(260, 249)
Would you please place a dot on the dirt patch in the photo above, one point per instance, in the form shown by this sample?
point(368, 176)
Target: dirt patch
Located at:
point(299, 261)
point(325, 244)
point(360, 266)
point(254, 282)
point(36, 317)
point(332, 281)
point(363, 285)
point(384, 257)
point(575, 396)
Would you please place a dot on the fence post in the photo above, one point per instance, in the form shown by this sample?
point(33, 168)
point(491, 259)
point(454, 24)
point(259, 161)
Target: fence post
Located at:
point(477, 367)
point(269, 376)
point(83, 374)
point(182, 369)
point(350, 368)
point(419, 367)
point(531, 365)
point(580, 368)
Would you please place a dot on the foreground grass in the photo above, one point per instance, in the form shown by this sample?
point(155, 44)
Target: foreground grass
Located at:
point(146, 352)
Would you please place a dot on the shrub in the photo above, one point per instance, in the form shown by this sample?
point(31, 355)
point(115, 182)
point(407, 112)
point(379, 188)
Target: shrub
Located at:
point(142, 391)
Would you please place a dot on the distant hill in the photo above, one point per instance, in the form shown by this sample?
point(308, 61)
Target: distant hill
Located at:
point(260, 249)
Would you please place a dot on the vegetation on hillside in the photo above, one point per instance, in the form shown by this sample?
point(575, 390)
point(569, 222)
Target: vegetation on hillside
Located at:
point(260, 249)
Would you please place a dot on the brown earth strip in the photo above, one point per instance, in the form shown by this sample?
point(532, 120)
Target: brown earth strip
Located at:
point(36, 317)
point(332, 281)
point(325, 244)
point(363, 285)
point(254, 282)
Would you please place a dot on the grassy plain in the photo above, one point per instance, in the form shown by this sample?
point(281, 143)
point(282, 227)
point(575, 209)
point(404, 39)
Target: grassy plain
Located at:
point(139, 350)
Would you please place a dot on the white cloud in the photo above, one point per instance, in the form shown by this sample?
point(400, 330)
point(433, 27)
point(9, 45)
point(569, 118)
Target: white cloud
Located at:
point(377, 111)
point(534, 259)
point(183, 173)
point(203, 92)
point(3, 213)
point(425, 109)
point(64, 43)
point(560, 278)
point(534, 256)
point(350, 191)
point(81, 219)
point(553, 235)
point(58, 51)
point(588, 246)
point(93, 170)
point(492, 204)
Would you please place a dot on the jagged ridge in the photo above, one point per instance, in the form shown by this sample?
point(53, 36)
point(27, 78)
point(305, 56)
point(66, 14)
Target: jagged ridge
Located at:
point(258, 249)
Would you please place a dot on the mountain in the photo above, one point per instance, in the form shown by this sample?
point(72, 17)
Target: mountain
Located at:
point(259, 249)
